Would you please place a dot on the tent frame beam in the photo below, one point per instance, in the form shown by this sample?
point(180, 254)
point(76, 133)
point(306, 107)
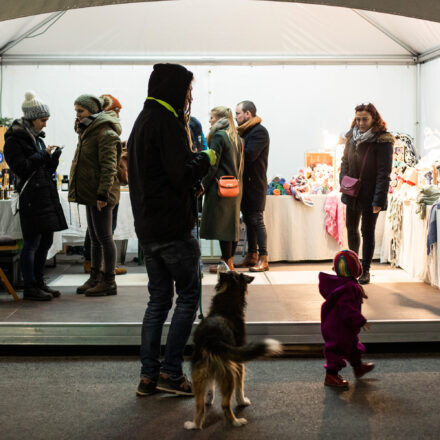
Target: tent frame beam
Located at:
point(386, 32)
point(37, 27)
point(214, 59)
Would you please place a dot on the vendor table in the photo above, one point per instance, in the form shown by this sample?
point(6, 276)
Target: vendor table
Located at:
point(412, 255)
point(296, 232)
point(10, 225)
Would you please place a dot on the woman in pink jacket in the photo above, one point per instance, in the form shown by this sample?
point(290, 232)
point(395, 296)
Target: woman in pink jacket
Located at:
point(341, 318)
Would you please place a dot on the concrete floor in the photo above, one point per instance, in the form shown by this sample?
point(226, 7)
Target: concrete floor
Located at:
point(94, 398)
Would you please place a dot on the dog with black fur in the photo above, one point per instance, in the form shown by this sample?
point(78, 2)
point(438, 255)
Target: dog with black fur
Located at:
point(220, 350)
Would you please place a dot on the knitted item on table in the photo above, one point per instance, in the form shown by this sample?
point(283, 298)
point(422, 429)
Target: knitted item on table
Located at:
point(346, 264)
point(34, 108)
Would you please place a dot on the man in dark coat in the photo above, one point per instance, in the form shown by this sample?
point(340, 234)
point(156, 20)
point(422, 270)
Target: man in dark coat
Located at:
point(40, 210)
point(256, 152)
point(164, 175)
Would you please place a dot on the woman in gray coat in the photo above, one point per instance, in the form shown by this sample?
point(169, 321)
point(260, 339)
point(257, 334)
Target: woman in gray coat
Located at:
point(221, 215)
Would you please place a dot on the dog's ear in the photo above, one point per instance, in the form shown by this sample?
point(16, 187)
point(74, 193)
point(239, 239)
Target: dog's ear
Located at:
point(223, 282)
point(248, 279)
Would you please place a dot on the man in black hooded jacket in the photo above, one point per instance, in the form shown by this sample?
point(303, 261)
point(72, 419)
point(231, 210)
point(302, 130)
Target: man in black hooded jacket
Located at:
point(164, 175)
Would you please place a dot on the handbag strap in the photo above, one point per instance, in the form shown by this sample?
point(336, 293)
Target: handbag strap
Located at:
point(27, 181)
point(363, 163)
point(241, 157)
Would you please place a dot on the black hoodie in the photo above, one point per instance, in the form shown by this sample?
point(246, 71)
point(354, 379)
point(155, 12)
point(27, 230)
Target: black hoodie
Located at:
point(162, 169)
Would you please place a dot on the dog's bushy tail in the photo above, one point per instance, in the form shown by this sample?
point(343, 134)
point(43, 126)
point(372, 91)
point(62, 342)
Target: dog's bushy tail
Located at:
point(253, 350)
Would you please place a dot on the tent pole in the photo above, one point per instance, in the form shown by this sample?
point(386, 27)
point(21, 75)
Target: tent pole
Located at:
point(418, 137)
point(386, 32)
point(214, 59)
point(18, 40)
point(429, 55)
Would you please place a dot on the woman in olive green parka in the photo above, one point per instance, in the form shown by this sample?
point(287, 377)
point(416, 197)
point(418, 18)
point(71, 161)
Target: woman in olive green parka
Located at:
point(94, 183)
point(221, 215)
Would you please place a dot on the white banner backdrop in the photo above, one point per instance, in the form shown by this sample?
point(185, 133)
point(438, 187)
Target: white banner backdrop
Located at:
point(298, 104)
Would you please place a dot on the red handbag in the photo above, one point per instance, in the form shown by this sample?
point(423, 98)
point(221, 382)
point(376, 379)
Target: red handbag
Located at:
point(228, 186)
point(351, 185)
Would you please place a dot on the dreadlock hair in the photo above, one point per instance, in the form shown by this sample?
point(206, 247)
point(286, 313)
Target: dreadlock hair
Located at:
point(226, 113)
point(187, 116)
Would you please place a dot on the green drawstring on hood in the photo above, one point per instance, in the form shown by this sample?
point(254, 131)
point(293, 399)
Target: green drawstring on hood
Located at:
point(165, 104)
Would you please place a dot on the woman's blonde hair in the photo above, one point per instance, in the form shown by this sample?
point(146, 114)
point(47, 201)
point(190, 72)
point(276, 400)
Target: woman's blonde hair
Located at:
point(187, 116)
point(226, 113)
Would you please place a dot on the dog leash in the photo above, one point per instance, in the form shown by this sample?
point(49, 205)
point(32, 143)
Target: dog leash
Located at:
point(200, 272)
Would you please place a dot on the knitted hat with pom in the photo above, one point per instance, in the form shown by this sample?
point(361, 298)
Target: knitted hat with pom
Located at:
point(34, 108)
point(346, 264)
point(111, 103)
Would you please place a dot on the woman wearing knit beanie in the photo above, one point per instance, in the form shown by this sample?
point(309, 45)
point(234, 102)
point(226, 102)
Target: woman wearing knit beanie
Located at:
point(40, 210)
point(93, 183)
point(113, 106)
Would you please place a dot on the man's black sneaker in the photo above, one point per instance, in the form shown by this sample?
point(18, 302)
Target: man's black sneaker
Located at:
point(146, 387)
point(45, 288)
point(176, 385)
point(365, 278)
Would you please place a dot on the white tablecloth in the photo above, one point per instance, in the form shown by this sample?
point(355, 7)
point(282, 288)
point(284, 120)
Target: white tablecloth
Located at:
point(412, 254)
point(10, 225)
point(297, 232)
point(76, 221)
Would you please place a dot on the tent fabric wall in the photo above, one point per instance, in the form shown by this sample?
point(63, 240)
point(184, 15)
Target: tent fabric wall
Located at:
point(298, 104)
point(424, 9)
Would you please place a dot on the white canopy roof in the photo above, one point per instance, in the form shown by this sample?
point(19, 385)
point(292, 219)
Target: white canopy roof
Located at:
point(213, 31)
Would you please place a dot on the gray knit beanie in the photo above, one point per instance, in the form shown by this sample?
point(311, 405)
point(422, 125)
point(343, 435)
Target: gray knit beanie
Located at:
point(33, 108)
point(90, 102)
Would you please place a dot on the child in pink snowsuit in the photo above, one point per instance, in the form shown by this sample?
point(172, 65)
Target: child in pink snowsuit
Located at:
point(341, 318)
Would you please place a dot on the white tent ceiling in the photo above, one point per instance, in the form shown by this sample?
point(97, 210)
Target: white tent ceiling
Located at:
point(213, 31)
point(424, 9)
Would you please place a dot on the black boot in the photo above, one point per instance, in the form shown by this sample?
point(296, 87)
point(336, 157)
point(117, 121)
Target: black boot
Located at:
point(106, 286)
point(365, 277)
point(35, 294)
point(45, 288)
point(91, 282)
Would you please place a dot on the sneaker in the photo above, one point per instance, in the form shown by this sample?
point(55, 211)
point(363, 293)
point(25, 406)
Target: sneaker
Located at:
point(146, 387)
point(35, 294)
point(335, 380)
point(365, 278)
point(45, 288)
point(175, 385)
point(362, 369)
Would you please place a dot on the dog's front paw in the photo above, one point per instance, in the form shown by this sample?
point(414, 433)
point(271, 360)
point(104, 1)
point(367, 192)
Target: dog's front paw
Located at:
point(239, 422)
point(244, 402)
point(190, 425)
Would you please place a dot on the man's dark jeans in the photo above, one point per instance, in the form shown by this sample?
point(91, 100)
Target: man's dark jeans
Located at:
point(33, 257)
point(168, 263)
point(368, 226)
point(256, 232)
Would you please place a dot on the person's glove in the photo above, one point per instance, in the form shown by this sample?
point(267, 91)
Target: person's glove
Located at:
point(211, 155)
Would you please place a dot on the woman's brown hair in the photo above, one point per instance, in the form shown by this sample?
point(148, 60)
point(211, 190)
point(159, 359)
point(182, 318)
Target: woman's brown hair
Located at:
point(379, 125)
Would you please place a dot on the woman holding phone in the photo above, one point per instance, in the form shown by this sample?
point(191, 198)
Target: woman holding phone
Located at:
point(40, 210)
